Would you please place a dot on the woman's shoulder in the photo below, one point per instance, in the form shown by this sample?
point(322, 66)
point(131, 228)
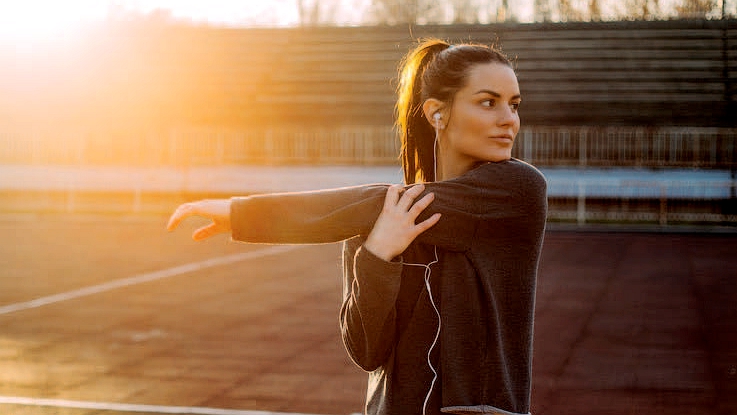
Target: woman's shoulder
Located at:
point(508, 170)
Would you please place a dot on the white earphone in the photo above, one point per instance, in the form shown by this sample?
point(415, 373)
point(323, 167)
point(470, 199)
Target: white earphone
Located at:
point(437, 117)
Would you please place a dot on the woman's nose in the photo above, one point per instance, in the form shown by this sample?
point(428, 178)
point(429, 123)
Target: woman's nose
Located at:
point(506, 115)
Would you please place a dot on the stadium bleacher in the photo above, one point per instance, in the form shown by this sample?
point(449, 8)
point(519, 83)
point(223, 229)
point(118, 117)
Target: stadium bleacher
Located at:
point(606, 95)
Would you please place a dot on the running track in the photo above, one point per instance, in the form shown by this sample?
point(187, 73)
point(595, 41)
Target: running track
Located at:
point(112, 315)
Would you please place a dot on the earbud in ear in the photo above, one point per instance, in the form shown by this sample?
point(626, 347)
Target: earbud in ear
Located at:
point(437, 118)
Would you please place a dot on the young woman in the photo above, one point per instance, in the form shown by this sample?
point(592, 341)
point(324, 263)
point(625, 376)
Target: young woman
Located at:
point(439, 274)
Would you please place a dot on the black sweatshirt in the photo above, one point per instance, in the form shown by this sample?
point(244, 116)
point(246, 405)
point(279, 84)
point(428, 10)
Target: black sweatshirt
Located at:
point(488, 243)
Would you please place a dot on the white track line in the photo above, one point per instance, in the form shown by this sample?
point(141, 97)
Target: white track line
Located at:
point(125, 407)
point(146, 277)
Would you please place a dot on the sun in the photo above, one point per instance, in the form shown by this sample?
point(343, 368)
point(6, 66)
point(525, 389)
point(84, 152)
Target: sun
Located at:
point(32, 22)
point(26, 24)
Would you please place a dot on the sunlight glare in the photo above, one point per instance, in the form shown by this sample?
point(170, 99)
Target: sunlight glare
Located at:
point(30, 22)
point(218, 12)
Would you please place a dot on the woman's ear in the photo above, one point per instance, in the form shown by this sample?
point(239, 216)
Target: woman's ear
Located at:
point(432, 108)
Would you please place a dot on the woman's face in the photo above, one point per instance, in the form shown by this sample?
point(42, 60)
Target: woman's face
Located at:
point(483, 120)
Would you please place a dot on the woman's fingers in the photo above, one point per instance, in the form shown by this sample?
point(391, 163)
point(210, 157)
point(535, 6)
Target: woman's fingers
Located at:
point(421, 205)
point(217, 210)
point(427, 224)
point(182, 212)
point(408, 198)
point(392, 196)
point(418, 208)
point(206, 232)
point(396, 226)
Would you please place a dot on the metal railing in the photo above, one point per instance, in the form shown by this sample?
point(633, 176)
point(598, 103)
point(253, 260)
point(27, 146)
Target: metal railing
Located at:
point(662, 202)
point(625, 194)
point(629, 146)
point(662, 147)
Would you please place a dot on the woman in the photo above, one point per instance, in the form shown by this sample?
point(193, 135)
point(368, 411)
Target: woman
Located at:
point(439, 274)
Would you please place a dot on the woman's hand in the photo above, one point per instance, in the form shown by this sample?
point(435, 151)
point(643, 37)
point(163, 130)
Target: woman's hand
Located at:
point(217, 210)
point(395, 228)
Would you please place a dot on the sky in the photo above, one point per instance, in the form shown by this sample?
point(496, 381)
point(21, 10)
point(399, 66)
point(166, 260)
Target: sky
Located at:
point(32, 21)
point(230, 12)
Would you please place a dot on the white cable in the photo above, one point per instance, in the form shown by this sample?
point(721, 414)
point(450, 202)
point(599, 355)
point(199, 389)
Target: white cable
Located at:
point(435, 150)
point(428, 272)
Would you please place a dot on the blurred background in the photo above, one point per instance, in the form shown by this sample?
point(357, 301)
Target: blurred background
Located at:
point(114, 112)
point(629, 106)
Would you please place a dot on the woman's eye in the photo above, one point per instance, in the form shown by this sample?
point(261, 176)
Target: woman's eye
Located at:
point(488, 103)
point(515, 106)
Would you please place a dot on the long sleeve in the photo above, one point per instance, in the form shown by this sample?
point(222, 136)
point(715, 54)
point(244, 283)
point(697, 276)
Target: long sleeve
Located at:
point(487, 194)
point(321, 216)
point(368, 314)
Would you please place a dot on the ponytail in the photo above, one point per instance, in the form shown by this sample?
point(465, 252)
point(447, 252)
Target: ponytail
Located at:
point(416, 134)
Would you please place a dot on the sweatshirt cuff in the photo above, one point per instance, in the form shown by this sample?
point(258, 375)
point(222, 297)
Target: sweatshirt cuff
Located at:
point(242, 229)
point(377, 276)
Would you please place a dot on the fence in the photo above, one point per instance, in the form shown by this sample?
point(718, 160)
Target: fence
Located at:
point(614, 195)
point(664, 147)
point(667, 147)
point(608, 174)
point(642, 195)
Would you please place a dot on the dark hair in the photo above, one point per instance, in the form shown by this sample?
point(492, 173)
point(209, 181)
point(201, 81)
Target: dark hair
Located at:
point(433, 69)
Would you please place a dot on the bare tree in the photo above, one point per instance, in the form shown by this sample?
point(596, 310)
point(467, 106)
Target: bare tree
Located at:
point(641, 9)
point(542, 11)
point(478, 11)
point(465, 11)
point(594, 10)
point(502, 12)
point(569, 11)
point(406, 11)
point(307, 11)
point(316, 12)
point(696, 9)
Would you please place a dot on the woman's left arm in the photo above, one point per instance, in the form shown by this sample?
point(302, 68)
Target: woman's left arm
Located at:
point(489, 194)
point(320, 216)
point(217, 210)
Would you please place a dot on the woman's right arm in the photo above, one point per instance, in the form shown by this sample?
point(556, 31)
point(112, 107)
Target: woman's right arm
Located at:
point(368, 313)
point(371, 277)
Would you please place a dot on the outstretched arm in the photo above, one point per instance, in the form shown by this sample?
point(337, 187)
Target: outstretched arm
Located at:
point(322, 216)
point(471, 203)
point(313, 217)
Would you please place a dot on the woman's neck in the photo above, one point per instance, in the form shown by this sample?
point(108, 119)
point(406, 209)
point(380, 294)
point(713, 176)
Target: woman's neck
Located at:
point(450, 169)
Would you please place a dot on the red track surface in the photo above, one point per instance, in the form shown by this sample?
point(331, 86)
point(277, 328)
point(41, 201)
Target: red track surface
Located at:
point(627, 323)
